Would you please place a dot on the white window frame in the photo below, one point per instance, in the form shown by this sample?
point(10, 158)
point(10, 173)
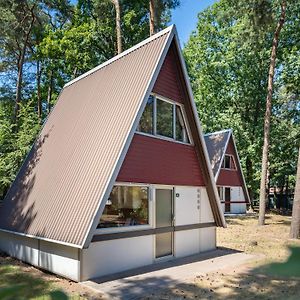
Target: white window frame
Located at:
point(158, 136)
point(231, 160)
point(109, 230)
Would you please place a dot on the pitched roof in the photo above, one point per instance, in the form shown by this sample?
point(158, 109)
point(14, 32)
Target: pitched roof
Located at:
point(71, 167)
point(217, 143)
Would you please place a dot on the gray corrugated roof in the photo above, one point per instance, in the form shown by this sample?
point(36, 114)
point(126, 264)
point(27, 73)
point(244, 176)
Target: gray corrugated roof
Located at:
point(216, 143)
point(58, 189)
point(58, 192)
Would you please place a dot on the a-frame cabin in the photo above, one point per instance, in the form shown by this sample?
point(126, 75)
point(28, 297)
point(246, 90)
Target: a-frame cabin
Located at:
point(119, 176)
point(228, 172)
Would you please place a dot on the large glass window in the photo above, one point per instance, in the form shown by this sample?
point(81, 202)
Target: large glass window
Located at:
point(164, 118)
point(126, 206)
point(146, 122)
point(159, 117)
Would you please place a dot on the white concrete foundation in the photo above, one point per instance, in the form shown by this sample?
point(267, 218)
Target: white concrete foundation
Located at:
point(56, 258)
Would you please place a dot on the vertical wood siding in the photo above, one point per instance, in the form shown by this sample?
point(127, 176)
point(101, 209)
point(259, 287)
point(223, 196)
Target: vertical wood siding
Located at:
point(152, 160)
point(230, 177)
point(168, 83)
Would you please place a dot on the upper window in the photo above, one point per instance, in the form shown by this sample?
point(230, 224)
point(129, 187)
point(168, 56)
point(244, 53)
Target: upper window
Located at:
point(228, 162)
point(126, 206)
point(164, 118)
point(146, 122)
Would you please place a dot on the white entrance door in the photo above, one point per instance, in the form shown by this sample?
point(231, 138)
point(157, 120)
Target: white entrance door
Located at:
point(164, 221)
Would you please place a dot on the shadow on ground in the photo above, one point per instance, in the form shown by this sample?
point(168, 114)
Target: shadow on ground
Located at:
point(221, 251)
point(238, 220)
point(256, 283)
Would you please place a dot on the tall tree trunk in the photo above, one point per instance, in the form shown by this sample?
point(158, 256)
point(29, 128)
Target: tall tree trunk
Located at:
point(295, 225)
point(264, 168)
point(249, 176)
point(38, 83)
point(21, 61)
point(287, 192)
point(118, 25)
point(152, 16)
point(19, 85)
point(49, 93)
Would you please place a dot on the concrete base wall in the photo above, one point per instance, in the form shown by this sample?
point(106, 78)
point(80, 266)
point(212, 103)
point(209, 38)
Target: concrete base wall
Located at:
point(55, 258)
point(109, 257)
point(236, 208)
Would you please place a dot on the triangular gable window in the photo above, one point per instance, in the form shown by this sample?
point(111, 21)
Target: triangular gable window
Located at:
point(165, 119)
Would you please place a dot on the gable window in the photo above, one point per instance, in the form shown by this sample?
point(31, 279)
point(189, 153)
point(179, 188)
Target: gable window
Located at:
point(126, 206)
point(228, 162)
point(164, 118)
point(146, 122)
point(181, 133)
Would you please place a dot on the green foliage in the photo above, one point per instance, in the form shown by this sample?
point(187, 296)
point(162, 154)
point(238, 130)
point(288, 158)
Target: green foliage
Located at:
point(15, 144)
point(67, 38)
point(228, 58)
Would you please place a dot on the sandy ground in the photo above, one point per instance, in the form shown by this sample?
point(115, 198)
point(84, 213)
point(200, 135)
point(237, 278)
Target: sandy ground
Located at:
point(249, 281)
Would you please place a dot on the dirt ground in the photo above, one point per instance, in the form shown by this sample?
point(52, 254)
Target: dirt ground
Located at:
point(250, 281)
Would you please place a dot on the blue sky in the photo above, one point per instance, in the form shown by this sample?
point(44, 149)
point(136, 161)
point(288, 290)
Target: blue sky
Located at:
point(185, 17)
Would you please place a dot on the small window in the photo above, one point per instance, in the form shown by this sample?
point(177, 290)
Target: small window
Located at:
point(126, 206)
point(181, 132)
point(164, 118)
point(228, 162)
point(146, 122)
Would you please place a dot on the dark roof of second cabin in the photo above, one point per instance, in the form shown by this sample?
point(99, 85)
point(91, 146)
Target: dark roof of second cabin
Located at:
point(216, 143)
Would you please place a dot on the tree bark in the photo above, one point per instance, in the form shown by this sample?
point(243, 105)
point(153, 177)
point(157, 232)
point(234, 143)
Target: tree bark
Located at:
point(295, 225)
point(264, 168)
point(49, 93)
point(38, 83)
point(152, 16)
point(118, 26)
point(19, 85)
point(21, 60)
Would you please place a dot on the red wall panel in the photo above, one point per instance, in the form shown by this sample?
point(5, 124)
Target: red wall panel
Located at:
point(230, 177)
point(152, 160)
point(168, 83)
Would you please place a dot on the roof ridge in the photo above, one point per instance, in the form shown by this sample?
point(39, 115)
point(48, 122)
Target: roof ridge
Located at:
point(218, 132)
point(124, 53)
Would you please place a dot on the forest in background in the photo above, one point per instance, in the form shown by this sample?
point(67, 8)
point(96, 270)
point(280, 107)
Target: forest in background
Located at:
point(44, 44)
point(228, 58)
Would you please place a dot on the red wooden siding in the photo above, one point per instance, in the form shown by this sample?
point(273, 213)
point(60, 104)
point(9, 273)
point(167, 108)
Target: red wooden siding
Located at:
point(152, 160)
point(168, 83)
point(230, 177)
